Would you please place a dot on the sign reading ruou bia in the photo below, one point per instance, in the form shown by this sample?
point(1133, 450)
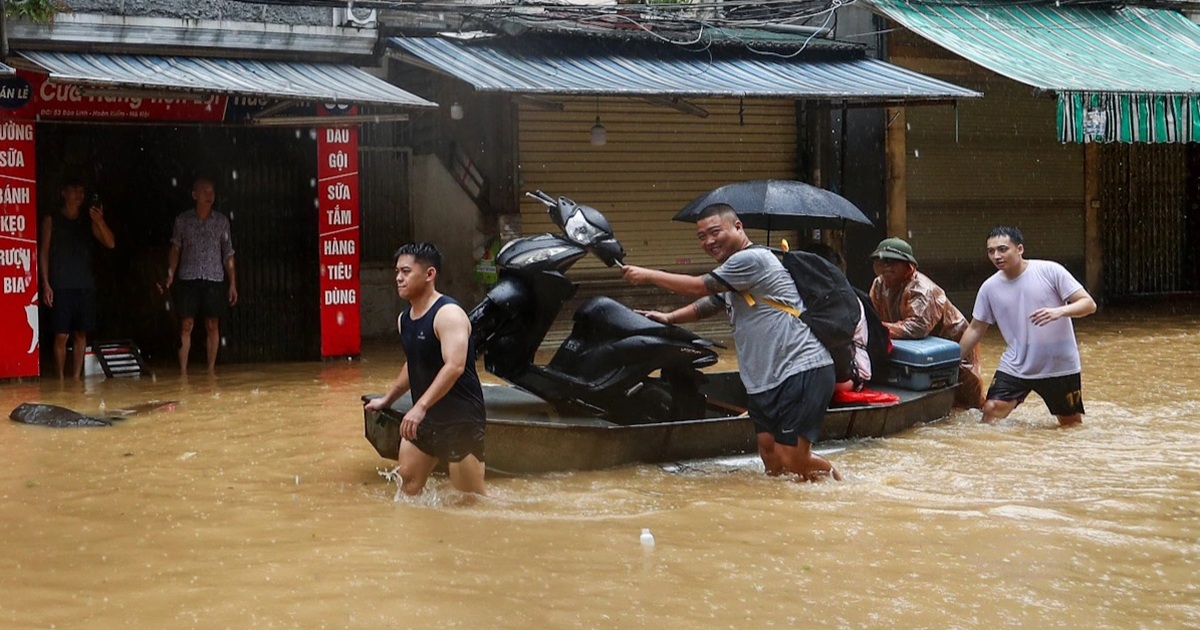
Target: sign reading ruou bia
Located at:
point(338, 236)
point(18, 251)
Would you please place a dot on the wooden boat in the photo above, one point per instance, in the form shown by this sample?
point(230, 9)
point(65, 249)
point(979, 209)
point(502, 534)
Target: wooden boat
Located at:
point(527, 435)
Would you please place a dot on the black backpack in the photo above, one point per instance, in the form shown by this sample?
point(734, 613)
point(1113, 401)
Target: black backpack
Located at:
point(831, 306)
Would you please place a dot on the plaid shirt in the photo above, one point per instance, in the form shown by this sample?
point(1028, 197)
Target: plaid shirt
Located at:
point(204, 246)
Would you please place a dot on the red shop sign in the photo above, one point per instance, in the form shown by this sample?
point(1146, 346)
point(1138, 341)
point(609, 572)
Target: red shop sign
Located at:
point(18, 251)
point(31, 95)
point(338, 223)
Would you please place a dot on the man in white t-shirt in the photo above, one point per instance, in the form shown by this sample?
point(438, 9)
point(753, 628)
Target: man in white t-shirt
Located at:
point(1032, 301)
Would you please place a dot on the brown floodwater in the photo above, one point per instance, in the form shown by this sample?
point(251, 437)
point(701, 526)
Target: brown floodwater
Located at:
point(257, 502)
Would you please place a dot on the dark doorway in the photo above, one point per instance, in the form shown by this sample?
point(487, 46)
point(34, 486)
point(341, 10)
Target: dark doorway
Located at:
point(266, 183)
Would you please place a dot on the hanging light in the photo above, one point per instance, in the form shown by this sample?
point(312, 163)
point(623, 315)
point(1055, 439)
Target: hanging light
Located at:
point(456, 111)
point(599, 134)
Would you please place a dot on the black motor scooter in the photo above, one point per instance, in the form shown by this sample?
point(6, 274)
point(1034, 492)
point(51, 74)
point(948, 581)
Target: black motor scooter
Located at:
point(604, 368)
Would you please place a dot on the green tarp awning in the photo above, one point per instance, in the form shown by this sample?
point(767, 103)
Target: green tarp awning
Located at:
point(1129, 74)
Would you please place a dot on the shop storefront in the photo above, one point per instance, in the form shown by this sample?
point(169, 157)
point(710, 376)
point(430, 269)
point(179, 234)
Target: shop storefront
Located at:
point(280, 141)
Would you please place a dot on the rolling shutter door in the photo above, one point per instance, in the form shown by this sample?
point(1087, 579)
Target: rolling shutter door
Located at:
point(655, 161)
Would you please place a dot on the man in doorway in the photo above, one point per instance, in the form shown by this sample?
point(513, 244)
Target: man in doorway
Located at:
point(787, 373)
point(912, 306)
point(202, 254)
point(1032, 301)
point(68, 285)
point(447, 420)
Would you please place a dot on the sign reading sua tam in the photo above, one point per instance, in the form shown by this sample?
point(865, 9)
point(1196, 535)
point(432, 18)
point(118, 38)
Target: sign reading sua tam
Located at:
point(337, 205)
point(18, 251)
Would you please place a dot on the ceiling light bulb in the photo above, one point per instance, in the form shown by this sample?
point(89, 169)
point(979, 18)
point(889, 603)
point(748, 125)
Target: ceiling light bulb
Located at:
point(456, 111)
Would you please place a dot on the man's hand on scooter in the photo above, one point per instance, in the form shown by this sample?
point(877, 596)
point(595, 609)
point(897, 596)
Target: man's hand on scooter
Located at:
point(657, 316)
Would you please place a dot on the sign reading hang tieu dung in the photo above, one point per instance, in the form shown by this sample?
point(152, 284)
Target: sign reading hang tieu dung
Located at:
point(337, 207)
point(18, 251)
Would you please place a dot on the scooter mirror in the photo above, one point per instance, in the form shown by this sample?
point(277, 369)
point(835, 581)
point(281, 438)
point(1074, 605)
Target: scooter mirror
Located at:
point(610, 252)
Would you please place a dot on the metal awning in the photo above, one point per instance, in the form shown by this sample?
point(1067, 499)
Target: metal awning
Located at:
point(287, 80)
point(557, 66)
point(6, 69)
point(1129, 74)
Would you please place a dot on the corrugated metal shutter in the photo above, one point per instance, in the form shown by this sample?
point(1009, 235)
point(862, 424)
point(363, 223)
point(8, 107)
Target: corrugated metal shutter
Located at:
point(655, 161)
point(266, 185)
point(992, 161)
point(1144, 220)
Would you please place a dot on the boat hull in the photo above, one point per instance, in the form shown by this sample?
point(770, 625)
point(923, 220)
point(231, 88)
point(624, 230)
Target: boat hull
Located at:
point(526, 435)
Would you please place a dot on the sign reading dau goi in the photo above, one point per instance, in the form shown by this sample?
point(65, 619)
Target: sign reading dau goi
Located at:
point(18, 251)
point(337, 207)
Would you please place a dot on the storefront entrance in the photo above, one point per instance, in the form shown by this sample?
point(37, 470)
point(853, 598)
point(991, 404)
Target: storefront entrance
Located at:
point(266, 182)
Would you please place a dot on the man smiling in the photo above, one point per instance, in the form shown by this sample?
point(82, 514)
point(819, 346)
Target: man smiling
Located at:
point(787, 373)
point(1032, 301)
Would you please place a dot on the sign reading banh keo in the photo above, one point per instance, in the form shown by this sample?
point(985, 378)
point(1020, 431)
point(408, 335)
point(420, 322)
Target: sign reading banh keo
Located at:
point(18, 251)
point(337, 207)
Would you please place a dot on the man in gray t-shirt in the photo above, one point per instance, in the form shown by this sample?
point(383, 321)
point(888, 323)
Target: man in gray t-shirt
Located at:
point(1032, 302)
point(788, 374)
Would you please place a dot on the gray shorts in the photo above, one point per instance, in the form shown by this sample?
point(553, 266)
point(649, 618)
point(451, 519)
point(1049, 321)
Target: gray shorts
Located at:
point(795, 408)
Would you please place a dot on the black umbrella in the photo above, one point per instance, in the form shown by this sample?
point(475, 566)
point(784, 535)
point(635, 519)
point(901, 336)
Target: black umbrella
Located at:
point(779, 204)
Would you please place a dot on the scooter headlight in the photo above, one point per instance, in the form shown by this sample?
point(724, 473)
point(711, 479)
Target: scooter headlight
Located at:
point(578, 229)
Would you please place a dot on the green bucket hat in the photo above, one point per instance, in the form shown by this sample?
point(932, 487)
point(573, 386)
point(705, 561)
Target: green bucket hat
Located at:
point(895, 249)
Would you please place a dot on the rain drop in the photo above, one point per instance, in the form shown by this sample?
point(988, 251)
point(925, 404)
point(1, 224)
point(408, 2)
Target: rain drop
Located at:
point(312, 133)
point(312, 182)
point(316, 203)
point(222, 341)
point(234, 174)
point(174, 182)
point(297, 134)
point(341, 319)
point(916, 153)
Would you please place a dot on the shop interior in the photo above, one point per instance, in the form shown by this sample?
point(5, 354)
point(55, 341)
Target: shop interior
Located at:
point(142, 174)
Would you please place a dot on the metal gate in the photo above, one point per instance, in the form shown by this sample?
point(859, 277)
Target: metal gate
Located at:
point(384, 200)
point(1144, 220)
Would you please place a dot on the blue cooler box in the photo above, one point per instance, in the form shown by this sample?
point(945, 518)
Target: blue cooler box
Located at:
point(921, 364)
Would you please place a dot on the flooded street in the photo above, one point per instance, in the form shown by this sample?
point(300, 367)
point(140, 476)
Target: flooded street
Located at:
point(256, 502)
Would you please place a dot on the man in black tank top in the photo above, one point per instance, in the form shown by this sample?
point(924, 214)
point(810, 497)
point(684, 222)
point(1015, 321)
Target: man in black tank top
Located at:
point(65, 261)
point(447, 419)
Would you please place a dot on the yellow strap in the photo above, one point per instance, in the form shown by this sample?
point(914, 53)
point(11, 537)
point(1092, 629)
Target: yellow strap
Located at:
point(794, 312)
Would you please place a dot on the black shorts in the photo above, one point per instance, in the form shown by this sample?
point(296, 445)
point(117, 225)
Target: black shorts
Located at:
point(74, 310)
point(451, 442)
point(1063, 394)
point(795, 408)
point(200, 298)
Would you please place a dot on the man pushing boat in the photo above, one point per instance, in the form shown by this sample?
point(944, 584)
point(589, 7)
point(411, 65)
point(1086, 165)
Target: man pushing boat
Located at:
point(787, 373)
point(447, 420)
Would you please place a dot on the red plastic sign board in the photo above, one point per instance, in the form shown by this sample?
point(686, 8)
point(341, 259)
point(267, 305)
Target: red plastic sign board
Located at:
point(338, 221)
point(18, 251)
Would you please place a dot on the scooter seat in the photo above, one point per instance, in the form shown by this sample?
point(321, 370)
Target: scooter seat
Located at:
point(604, 316)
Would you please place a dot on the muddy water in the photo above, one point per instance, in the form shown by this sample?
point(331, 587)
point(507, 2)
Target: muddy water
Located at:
point(257, 503)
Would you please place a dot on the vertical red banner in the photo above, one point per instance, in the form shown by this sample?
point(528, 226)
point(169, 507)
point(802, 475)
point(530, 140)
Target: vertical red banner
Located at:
point(337, 195)
point(18, 251)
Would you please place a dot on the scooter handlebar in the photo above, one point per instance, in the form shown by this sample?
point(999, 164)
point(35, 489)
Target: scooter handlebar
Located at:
point(542, 197)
